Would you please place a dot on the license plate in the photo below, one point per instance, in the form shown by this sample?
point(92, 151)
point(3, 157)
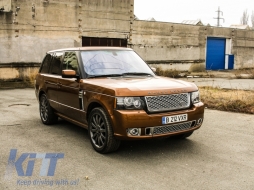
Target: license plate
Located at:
point(174, 119)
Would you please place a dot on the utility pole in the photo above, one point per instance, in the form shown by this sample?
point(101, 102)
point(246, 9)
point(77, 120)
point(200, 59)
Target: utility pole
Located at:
point(218, 17)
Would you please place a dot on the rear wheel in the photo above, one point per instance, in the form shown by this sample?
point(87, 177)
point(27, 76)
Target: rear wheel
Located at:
point(46, 112)
point(101, 133)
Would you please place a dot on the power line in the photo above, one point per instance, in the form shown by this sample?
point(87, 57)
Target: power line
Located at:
point(219, 12)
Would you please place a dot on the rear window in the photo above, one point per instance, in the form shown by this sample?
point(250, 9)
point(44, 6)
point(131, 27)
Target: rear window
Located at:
point(46, 64)
point(56, 60)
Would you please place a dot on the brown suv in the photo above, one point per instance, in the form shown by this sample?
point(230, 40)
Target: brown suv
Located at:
point(114, 94)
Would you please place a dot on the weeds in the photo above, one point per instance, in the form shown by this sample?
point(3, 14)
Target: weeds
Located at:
point(30, 78)
point(244, 73)
point(228, 100)
point(173, 73)
point(198, 67)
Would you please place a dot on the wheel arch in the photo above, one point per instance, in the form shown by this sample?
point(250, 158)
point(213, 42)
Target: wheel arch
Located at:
point(96, 104)
point(40, 93)
point(93, 105)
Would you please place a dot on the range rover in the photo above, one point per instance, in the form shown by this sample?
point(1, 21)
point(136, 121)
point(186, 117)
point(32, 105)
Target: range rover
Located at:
point(115, 95)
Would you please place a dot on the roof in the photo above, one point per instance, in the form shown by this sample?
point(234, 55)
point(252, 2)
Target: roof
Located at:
point(150, 19)
point(193, 22)
point(90, 48)
point(240, 26)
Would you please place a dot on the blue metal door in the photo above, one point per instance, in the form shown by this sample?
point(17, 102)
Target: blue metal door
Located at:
point(231, 61)
point(215, 53)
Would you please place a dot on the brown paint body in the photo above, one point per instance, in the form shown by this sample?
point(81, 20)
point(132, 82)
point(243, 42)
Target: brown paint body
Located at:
point(64, 96)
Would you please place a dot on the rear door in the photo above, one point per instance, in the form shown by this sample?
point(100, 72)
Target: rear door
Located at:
point(50, 80)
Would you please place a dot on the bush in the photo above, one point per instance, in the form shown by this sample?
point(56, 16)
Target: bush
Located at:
point(228, 99)
point(244, 73)
point(173, 73)
point(197, 67)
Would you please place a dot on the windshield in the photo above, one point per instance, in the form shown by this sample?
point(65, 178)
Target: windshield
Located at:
point(114, 62)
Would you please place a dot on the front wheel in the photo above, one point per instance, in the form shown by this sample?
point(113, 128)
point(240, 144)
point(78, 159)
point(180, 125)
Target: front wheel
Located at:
point(101, 133)
point(46, 112)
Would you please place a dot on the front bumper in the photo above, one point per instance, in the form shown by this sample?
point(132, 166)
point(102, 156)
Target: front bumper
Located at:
point(151, 124)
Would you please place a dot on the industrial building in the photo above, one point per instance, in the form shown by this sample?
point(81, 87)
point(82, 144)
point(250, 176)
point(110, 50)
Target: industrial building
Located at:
point(29, 29)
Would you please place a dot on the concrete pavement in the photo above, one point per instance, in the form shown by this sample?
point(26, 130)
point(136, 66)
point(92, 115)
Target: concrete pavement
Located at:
point(243, 84)
point(220, 155)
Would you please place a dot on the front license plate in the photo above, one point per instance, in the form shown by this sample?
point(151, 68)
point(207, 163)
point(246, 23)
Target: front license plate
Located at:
point(174, 119)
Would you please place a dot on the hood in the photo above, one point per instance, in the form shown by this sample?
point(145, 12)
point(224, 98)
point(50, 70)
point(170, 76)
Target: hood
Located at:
point(138, 86)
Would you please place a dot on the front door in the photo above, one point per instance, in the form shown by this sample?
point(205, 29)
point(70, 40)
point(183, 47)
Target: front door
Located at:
point(68, 95)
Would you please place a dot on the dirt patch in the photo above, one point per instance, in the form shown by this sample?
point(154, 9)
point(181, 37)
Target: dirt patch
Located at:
point(15, 84)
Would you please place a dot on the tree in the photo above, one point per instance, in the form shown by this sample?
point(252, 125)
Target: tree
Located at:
point(252, 18)
point(245, 18)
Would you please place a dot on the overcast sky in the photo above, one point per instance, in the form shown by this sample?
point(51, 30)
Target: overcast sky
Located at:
point(179, 10)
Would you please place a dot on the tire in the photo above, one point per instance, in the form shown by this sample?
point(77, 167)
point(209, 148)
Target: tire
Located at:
point(183, 136)
point(101, 133)
point(47, 114)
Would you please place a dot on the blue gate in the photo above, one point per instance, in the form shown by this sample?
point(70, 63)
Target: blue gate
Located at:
point(215, 53)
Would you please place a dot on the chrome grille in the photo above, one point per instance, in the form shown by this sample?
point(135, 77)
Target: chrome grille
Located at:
point(172, 128)
point(167, 102)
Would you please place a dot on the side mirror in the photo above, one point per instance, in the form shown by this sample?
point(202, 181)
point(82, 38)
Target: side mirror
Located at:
point(69, 74)
point(153, 69)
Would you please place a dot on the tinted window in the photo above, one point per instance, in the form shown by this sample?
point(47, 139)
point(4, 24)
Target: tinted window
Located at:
point(70, 61)
point(46, 64)
point(55, 67)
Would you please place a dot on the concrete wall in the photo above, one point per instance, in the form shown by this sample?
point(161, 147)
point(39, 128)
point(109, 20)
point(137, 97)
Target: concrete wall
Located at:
point(42, 26)
point(179, 46)
point(175, 45)
point(26, 34)
point(39, 26)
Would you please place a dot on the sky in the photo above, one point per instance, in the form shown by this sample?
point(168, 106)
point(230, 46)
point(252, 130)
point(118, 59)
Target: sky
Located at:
point(178, 10)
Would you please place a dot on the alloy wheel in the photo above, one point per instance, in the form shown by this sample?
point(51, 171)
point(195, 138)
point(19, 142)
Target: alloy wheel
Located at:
point(44, 108)
point(98, 131)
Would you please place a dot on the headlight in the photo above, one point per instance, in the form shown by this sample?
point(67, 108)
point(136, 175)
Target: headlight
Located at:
point(195, 98)
point(129, 103)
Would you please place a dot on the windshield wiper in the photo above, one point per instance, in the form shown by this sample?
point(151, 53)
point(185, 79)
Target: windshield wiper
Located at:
point(119, 75)
point(137, 73)
point(111, 75)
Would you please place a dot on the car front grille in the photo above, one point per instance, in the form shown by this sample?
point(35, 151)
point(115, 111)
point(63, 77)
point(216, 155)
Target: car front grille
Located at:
point(172, 128)
point(167, 102)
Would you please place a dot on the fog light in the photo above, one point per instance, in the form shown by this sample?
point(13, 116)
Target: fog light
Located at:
point(199, 121)
point(134, 131)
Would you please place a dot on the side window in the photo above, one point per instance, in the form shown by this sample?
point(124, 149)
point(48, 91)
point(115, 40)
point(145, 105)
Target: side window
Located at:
point(55, 67)
point(70, 61)
point(46, 64)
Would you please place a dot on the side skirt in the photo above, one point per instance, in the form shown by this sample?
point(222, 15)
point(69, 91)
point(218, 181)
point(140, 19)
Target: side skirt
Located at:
point(71, 120)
